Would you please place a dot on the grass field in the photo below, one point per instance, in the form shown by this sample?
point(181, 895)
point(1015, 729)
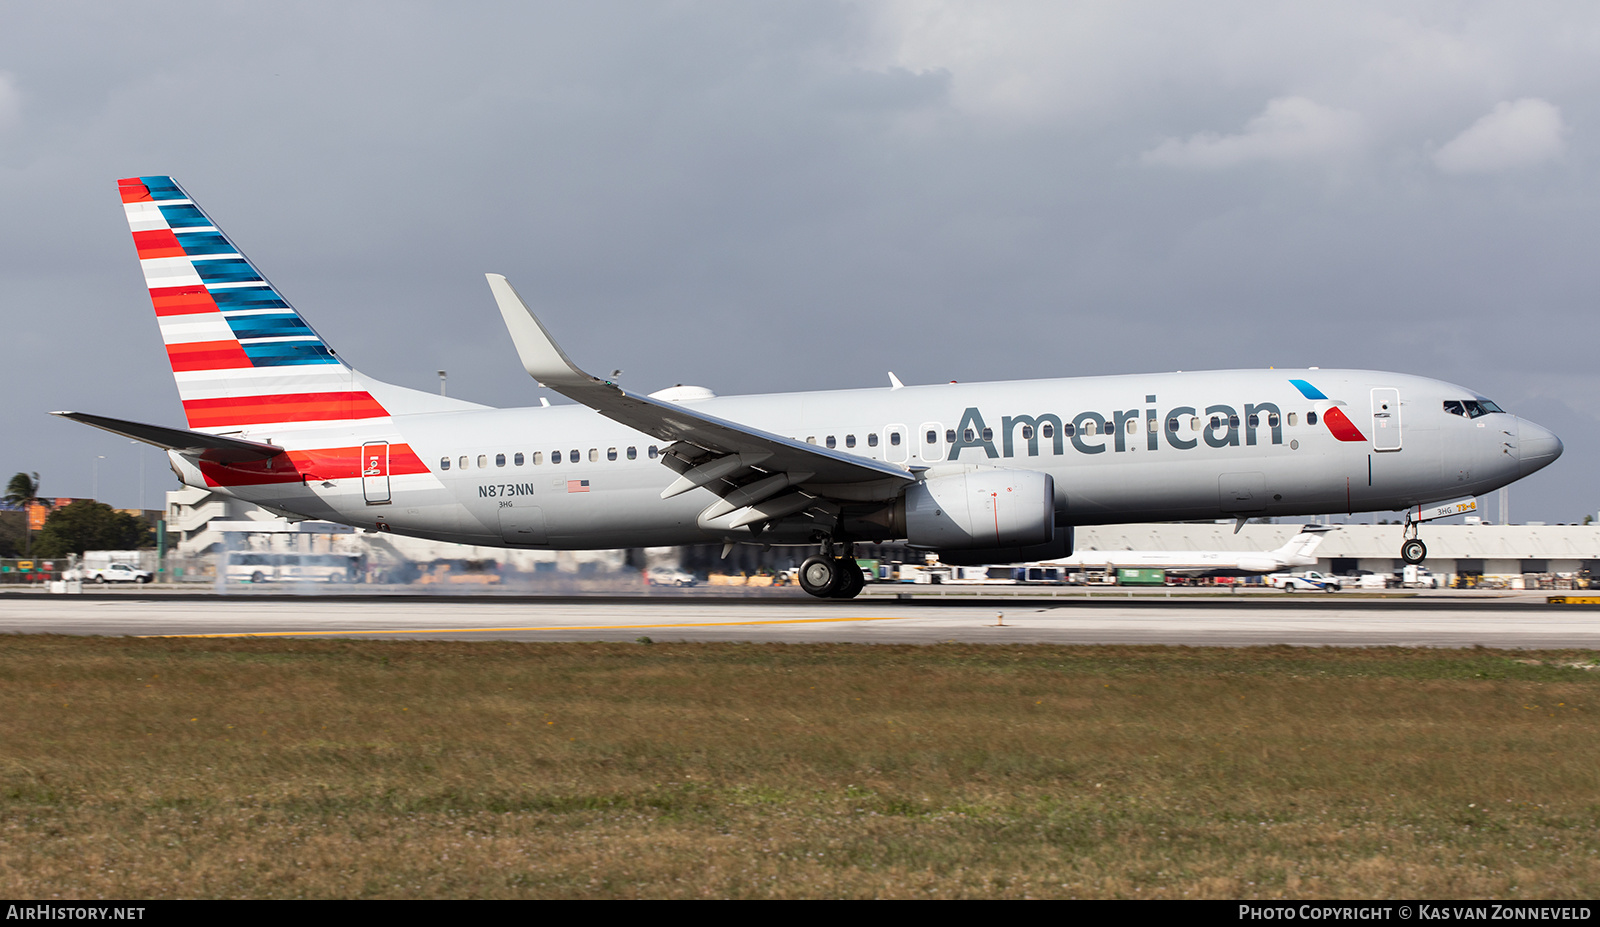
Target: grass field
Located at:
point(278, 768)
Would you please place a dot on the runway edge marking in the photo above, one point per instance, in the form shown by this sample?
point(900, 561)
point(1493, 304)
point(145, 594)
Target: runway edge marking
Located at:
point(597, 627)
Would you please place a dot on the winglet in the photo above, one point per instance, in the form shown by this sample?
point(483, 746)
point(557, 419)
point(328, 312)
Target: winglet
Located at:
point(541, 356)
point(894, 382)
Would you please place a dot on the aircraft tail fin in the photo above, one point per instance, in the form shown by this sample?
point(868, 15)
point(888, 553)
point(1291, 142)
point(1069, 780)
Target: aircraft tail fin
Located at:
point(1300, 548)
point(243, 358)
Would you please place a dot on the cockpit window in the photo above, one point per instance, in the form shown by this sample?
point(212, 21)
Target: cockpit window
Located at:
point(1471, 408)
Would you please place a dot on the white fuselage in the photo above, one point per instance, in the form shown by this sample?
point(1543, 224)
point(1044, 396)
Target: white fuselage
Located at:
point(1254, 453)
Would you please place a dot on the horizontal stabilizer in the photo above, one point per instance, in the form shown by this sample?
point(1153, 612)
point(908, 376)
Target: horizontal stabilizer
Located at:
point(216, 448)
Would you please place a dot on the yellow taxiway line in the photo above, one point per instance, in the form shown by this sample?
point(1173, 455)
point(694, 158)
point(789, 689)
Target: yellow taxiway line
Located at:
point(594, 627)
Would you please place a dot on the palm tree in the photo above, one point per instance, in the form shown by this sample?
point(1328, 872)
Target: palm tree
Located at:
point(23, 492)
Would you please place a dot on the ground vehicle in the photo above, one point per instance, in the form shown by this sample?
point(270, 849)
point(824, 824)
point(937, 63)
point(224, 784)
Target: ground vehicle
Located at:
point(1365, 579)
point(270, 567)
point(1309, 580)
point(116, 573)
point(669, 576)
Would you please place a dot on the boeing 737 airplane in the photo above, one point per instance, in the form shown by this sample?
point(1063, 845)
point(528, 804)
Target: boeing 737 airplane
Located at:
point(980, 472)
point(1296, 553)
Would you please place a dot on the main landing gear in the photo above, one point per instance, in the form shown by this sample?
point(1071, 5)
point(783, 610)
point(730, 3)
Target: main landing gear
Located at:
point(828, 577)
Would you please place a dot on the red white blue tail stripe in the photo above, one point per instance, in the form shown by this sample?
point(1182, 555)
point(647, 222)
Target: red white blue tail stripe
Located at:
point(242, 356)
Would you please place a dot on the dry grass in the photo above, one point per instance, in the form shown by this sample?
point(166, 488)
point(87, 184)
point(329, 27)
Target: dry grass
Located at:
point(274, 768)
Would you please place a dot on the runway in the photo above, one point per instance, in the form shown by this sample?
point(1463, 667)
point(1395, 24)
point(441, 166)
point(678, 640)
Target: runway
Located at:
point(1345, 620)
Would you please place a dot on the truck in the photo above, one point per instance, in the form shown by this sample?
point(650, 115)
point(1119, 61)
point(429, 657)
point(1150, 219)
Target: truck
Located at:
point(1310, 580)
point(114, 573)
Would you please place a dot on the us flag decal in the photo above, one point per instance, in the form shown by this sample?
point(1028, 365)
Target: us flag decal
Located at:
point(577, 485)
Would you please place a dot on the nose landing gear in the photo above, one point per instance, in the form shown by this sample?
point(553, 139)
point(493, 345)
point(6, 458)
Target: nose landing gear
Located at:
point(1412, 550)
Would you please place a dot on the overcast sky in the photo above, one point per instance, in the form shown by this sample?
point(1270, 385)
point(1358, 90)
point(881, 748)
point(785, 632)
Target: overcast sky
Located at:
point(777, 196)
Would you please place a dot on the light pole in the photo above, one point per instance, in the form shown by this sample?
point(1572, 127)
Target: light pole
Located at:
point(138, 445)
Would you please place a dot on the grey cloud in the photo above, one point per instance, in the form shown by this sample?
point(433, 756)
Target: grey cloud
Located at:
point(1514, 135)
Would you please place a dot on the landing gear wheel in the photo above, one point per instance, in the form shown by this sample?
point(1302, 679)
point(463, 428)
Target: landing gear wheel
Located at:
point(819, 576)
point(1413, 551)
point(851, 580)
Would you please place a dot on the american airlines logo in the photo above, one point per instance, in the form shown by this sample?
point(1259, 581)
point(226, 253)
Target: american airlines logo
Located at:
point(1217, 425)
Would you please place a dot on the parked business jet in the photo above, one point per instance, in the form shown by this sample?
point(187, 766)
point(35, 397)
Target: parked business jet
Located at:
point(1297, 552)
point(980, 472)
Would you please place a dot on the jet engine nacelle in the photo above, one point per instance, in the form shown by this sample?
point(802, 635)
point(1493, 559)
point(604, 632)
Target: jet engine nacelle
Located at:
point(989, 508)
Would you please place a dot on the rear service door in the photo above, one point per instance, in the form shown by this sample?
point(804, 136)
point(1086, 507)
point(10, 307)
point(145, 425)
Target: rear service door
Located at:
point(375, 472)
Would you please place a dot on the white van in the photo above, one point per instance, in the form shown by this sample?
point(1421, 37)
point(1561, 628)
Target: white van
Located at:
point(248, 566)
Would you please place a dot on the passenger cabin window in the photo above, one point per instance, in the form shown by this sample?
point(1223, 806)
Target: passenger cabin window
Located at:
point(555, 457)
point(611, 453)
point(849, 440)
point(894, 438)
point(1272, 419)
point(988, 434)
point(1047, 430)
point(517, 460)
point(574, 457)
point(1133, 426)
point(1069, 429)
point(1027, 432)
point(831, 441)
point(653, 452)
point(462, 461)
point(538, 458)
point(949, 436)
point(811, 439)
point(1172, 426)
point(1311, 418)
point(931, 437)
point(1233, 421)
point(1194, 423)
point(633, 453)
point(499, 460)
point(1294, 419)
point(444, 463)
point(872, 440)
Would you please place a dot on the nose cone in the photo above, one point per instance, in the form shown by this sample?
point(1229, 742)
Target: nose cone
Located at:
point(1537, 446)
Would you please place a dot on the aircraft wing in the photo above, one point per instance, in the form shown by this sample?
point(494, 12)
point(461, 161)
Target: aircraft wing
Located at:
point(708, 451)
point(216, 448)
